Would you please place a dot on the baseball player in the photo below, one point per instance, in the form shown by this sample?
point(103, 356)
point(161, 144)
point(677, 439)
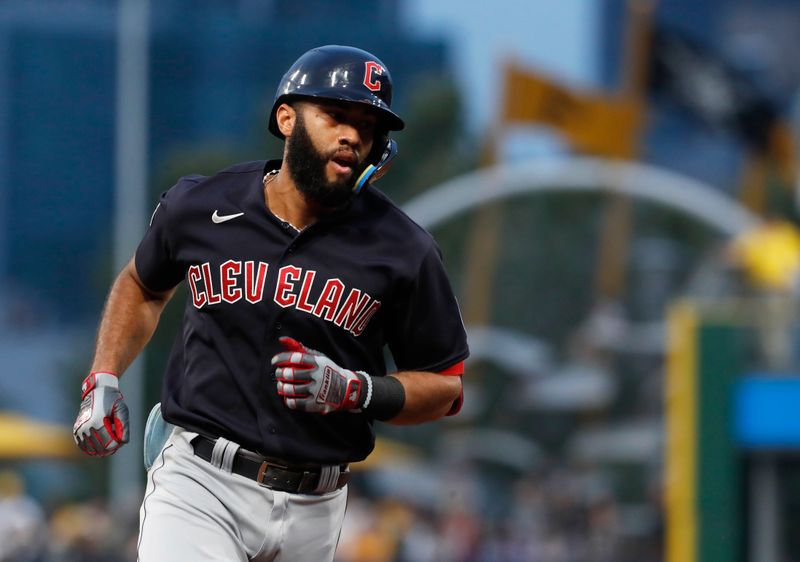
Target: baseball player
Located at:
point(299, 273)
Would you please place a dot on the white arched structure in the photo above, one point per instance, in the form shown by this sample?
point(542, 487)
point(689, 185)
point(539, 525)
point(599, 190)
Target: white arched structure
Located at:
point(569, 175)
point(581, 174)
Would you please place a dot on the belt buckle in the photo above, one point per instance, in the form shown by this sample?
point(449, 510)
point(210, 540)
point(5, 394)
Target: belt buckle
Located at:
point(262, 472)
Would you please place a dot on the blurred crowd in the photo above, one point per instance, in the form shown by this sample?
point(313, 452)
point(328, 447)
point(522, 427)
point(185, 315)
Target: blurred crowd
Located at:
point(85, 531)
point(560, 516)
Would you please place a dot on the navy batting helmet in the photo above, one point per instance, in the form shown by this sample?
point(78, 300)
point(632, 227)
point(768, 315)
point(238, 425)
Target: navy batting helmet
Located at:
point(341, 73)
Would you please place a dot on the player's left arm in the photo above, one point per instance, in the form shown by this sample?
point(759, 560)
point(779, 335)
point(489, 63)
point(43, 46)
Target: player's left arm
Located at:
point(428, 396)
point(428, 342)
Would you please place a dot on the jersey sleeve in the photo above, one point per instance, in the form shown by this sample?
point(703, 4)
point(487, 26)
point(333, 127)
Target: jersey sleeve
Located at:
point(155, 257)
point(425, 330)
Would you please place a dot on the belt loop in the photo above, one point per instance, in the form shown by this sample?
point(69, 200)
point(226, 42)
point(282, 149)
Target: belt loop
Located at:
point(229, 455)
point(328, 478)
point(223, 453)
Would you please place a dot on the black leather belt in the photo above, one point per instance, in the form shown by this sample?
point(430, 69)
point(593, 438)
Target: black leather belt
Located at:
point(270, 474)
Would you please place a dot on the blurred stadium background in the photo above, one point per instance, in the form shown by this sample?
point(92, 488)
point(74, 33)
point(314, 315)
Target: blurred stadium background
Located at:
point(622, 237)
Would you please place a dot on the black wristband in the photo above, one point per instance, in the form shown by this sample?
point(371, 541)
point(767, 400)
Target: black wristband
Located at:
point(386, 399)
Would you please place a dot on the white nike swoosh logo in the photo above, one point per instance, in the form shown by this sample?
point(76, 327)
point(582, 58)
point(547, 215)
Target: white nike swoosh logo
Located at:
point(217, 218)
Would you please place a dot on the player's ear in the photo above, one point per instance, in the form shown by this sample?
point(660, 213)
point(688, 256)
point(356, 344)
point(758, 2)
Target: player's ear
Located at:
point(285, 117)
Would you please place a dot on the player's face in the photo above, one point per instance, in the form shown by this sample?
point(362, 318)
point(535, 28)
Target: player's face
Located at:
point(327, 149)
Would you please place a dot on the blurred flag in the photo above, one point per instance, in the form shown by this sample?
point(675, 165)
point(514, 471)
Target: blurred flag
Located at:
point(593, 123)
point(711, 88)
point(781, 147)
point(726, 99)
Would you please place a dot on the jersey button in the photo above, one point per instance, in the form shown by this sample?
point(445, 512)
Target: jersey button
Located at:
point(278, 326)
point(273, 430)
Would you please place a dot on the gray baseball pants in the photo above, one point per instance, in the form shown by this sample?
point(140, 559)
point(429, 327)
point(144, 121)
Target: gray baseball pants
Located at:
point(195, 511)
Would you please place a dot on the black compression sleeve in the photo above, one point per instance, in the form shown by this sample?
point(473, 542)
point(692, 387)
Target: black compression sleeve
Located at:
point(386, 399)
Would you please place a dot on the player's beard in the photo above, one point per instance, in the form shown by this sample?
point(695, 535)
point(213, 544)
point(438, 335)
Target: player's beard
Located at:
point(307, 166)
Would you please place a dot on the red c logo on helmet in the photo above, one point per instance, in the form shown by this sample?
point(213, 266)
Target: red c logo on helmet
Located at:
point(372, 68)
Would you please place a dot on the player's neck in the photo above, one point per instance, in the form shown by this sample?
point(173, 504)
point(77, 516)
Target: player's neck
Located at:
point(286, 202)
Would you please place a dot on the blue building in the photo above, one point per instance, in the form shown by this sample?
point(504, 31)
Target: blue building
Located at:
point(213, 71)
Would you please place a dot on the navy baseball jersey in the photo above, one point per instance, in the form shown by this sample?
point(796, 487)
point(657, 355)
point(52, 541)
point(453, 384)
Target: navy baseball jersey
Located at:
point(348, 285)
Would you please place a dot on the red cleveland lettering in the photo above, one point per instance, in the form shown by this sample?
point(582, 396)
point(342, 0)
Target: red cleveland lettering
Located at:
point(254, 281)
point(228, 272)
point(302, 302)
point(232, 285)
point(329, 299)
point(352, 308)
point(364, 319)
point(282, 295)
point(192, 277)
point(213, 298)
point(293, 289)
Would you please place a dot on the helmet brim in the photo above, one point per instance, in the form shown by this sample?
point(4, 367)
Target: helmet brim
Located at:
point(388, 120)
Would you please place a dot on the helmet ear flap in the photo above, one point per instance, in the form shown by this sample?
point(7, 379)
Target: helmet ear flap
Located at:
point(379, 146)
point(386, 159)
point(380, 160)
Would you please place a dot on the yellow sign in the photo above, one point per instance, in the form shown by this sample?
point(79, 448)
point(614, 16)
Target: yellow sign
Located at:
point(593, 123)
point(24, 438)
point(770, 255)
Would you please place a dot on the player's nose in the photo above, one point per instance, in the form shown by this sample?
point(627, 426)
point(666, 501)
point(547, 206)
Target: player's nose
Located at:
point(349, 135)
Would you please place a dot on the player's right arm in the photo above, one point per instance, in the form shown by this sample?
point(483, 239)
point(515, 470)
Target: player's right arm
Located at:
point(139, 294)
point(129, 319)
point(134, 305)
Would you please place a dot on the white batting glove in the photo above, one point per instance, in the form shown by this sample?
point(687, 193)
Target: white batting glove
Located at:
point(102, 423)
point(309, 381)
